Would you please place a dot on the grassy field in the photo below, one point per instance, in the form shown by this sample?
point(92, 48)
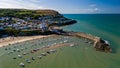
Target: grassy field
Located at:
point(64, 57)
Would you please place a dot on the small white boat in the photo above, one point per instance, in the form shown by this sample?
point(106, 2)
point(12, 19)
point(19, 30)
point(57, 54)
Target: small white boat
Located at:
point(39, 57)
point(53, 50)
point(22, 64)
point(28, 61)
point(65, 41)
point(43, 54)
point(71, 45)
point(19, 56)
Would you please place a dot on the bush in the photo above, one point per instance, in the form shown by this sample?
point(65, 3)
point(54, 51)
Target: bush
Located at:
point(11, 31)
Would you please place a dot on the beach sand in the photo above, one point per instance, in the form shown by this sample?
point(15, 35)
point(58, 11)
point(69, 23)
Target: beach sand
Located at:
point(12, 40)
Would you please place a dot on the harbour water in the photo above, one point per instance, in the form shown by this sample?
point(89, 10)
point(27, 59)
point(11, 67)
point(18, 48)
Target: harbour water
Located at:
point(105, 26)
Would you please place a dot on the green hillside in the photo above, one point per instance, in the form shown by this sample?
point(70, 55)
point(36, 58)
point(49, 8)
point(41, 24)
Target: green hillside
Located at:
point(20, 13)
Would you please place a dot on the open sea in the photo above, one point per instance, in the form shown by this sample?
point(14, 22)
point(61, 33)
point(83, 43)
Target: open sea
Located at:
point(106, 26)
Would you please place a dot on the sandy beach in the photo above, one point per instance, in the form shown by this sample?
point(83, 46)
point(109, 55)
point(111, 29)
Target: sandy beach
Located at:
point(12, 40)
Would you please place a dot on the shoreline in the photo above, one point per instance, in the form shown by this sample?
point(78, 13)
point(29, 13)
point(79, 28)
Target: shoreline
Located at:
point(12, 40)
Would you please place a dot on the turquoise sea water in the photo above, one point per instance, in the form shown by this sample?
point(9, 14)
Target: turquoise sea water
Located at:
point(106, 26)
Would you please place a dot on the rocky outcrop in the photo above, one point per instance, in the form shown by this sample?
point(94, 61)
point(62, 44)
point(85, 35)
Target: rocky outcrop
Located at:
point(70, 22)
point(101, 45)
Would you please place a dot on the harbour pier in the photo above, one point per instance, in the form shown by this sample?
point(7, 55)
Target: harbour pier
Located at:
point(98, 43)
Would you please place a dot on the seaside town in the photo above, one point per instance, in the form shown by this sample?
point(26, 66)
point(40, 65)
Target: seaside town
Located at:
point(59, 33)
point(20, 24)
point(42, 23)
point(32, 38)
